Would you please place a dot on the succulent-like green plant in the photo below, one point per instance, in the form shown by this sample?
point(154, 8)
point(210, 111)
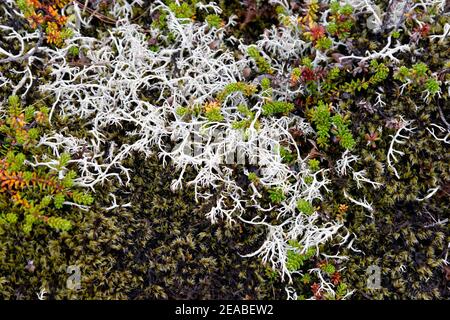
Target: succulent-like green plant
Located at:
point(322, 119)
point(295, 259)
point(276, 195)
point(326, 124)
point(262, 64)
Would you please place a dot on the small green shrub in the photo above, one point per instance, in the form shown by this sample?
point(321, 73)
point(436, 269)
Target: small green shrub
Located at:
point(305, 207)
point(32, 194)
point(326, 124)
point(277, 107)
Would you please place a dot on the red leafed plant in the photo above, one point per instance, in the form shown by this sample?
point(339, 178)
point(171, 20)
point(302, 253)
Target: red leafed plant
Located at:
point(315, 32)
point(423, 30)
point(336, 278)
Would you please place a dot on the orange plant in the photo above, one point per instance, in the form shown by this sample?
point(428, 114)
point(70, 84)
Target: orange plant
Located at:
point(45, 14)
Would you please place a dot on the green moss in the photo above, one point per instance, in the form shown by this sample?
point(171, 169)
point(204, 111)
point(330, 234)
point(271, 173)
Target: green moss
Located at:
point(313, 164)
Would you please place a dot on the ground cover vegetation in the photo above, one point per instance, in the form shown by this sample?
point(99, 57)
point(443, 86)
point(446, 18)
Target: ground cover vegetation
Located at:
point(230, 149)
